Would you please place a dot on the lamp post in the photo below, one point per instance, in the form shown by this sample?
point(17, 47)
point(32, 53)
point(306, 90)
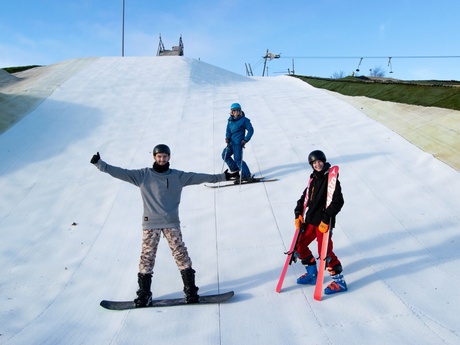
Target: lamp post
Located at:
point(123, 29)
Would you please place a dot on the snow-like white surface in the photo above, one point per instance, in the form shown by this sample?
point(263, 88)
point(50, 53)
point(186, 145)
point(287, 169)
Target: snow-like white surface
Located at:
point(397, 235)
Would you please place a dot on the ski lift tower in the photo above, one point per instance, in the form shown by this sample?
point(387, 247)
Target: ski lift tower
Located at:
point(269, 56)
point(175, 51)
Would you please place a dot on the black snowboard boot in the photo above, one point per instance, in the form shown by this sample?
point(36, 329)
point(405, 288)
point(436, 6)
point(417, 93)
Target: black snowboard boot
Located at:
point(190, 289)
point(144, 295)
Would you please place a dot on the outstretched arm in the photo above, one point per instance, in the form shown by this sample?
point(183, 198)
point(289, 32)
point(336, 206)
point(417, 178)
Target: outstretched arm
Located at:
point(131, 176)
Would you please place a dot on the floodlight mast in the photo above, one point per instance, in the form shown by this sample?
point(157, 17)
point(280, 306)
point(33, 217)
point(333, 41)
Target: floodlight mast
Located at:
point(123, 28)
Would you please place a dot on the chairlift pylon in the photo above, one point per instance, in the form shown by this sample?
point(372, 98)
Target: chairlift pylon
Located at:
point(359, 64)
point(389, 64)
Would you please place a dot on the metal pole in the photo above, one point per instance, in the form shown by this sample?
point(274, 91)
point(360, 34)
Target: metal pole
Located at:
point(265, 62)
point(123, 29)
point(241, 167)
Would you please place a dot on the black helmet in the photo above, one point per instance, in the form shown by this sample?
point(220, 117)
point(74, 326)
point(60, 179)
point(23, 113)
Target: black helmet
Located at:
point(161, 148)
point(316, 155)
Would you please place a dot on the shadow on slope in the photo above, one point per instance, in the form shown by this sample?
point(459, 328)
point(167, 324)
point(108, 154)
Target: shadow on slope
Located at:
point(22, 92)
point(50, 130)
point(15, 107)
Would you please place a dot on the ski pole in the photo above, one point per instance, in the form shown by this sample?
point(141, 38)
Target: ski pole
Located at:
point(241, 166)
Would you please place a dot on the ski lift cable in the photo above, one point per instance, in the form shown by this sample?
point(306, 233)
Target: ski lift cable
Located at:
point(375, 57)
point(258, 63)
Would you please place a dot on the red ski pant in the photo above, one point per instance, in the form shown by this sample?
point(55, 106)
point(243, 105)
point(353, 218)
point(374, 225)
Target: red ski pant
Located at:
point(307, 237)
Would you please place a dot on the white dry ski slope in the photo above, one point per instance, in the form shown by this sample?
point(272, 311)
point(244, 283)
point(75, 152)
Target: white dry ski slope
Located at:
point(70, 235)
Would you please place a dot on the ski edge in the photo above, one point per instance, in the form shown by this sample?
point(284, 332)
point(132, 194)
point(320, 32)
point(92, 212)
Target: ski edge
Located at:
point(279, 286)
point(293, 245)
point(318, 294)
point(258, 180)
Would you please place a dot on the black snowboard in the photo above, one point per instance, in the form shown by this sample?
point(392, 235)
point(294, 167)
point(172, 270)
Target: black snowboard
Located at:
point(206, 299)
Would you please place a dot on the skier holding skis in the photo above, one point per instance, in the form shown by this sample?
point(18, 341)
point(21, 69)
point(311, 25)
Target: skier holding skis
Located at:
point(318, 220)
point(239, 131)
point(161, 189)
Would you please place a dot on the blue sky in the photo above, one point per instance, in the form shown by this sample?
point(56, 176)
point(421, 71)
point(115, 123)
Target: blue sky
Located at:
point(321, 37)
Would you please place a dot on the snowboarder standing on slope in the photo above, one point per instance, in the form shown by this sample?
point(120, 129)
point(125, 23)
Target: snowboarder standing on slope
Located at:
point(236, 137)
point(161, 189)
point(316, 221)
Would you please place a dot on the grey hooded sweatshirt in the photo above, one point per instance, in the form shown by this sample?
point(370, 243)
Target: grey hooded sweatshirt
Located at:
point(161, 192)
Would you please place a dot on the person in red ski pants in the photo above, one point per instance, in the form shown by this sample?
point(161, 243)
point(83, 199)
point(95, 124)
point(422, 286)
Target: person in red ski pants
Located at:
point(316, 220)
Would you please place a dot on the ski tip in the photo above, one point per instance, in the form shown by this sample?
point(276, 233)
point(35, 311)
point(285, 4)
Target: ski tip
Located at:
point(220, 297)
point(229, 294)
point(317, 297)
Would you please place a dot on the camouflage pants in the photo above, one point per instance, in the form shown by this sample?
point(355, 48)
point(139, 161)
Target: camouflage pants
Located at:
point(150, 241)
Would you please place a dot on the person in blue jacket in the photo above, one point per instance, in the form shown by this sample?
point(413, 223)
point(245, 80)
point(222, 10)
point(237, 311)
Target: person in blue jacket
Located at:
point(239, 132)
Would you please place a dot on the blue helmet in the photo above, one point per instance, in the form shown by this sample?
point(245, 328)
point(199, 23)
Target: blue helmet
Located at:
point(235, 106)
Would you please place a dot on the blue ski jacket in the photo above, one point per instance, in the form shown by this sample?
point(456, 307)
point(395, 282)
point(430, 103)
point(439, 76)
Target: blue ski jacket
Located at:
point(236, 129)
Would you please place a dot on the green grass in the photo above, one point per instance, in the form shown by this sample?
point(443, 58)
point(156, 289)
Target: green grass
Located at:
point(19, 68)
point(428, 93)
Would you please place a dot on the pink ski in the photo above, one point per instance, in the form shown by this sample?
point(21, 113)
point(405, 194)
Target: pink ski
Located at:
point(332, 179)
point(291, 251)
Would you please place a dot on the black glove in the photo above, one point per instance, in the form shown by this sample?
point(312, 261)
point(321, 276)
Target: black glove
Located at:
point(303, 227)
point(95, 158)
point(231, 176)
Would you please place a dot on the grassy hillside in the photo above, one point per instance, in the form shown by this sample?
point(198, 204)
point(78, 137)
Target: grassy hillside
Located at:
point(429, 93)
point(19, 68)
